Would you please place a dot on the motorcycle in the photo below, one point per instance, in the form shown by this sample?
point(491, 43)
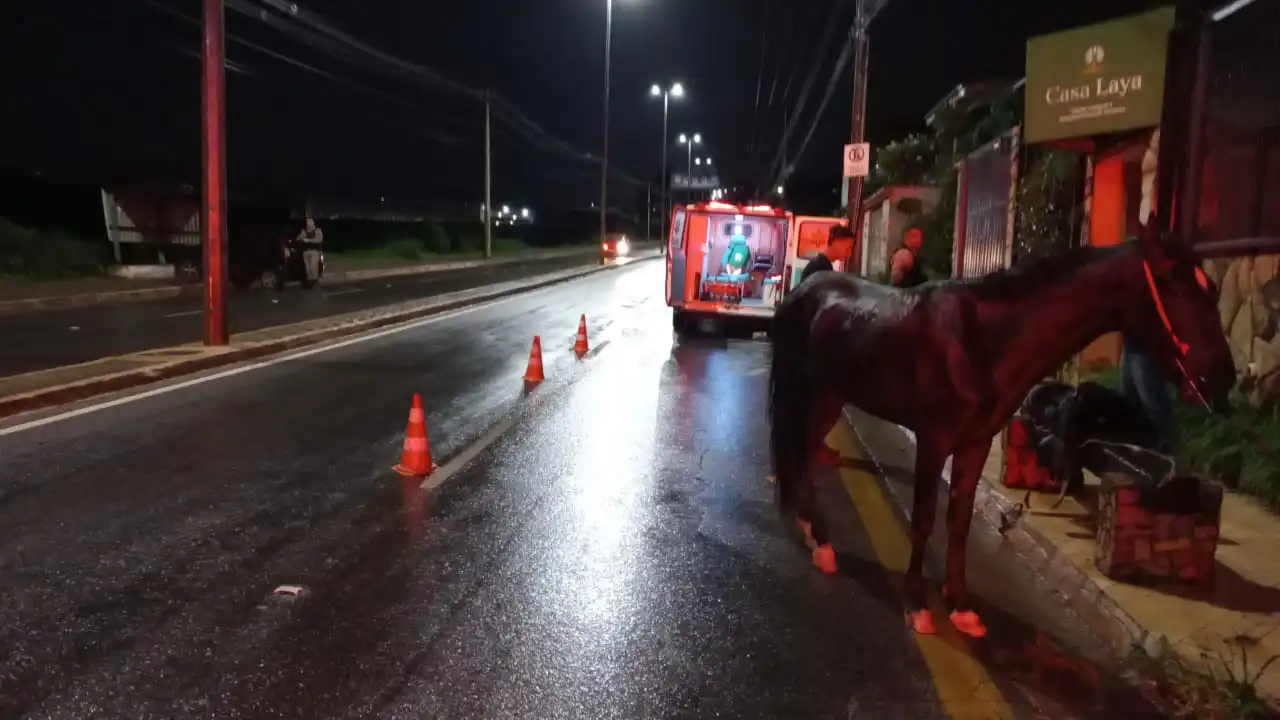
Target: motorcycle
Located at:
point(293, 266)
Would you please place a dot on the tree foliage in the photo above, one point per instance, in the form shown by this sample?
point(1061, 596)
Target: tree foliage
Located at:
point(1048, 212)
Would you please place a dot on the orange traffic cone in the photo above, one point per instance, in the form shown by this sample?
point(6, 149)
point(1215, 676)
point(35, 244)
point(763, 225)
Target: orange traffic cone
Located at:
point(534, 374)
point(580, 346)
point(415, 459)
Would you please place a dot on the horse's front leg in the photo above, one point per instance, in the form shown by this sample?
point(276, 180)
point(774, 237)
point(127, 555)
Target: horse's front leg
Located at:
point(966, 471)
point(929, 461)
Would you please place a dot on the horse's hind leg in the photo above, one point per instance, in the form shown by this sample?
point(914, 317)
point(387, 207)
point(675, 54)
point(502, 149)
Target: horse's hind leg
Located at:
point(929, 462)
point(814, 526)
point(826, 411)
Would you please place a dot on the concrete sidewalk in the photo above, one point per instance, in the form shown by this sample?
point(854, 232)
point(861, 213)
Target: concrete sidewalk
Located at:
point(23, 297)
point(1239, 613)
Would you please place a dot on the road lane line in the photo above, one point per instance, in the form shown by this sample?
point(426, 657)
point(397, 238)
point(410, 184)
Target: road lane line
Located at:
point(30, 425)
point(966, 690)
point(472, 451)
point(289, 357)
point(347, 291)
point(184, 313)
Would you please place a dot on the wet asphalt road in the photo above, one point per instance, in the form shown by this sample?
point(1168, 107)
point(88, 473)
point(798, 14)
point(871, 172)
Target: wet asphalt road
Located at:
point(37, 341)
point(609, 551)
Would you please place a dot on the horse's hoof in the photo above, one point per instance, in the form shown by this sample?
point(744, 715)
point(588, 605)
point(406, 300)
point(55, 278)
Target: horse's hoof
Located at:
point(922, 622)
point(828, 457)
point(824, 557)
point(968, 622)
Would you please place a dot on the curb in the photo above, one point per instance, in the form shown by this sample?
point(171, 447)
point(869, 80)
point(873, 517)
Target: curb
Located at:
point(1079, 593)
point(119, 297)
point(92, 387)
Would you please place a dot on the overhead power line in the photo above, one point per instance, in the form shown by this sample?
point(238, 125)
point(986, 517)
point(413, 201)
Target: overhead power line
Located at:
point(776, 167)
point(287, 13)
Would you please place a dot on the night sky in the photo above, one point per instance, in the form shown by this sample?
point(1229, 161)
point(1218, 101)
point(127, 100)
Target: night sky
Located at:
point(107, 90)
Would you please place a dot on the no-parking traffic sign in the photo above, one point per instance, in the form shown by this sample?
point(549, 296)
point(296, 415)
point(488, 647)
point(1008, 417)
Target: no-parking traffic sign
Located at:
point(857, 160)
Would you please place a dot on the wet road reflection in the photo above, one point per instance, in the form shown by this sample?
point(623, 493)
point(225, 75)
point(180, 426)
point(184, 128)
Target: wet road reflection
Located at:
point(614, 554)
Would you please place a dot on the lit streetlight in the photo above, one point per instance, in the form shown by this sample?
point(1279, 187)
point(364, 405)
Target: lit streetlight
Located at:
point(689, 142)
point(675, 91)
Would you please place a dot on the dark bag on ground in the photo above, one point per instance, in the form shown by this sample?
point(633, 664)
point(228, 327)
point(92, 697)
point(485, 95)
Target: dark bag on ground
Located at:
point(1093, 427)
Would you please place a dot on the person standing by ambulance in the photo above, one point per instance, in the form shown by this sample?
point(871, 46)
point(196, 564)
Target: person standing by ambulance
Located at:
point(904, 268)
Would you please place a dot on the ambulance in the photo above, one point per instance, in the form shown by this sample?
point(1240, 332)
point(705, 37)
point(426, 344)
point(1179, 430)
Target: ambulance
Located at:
point(734, 263)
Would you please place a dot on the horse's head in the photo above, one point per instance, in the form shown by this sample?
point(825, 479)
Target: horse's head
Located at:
point(1180, 322)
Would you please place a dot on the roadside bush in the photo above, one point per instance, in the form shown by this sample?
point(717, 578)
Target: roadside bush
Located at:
point(1242, 451)
point(408, 248)
point(35, 255)
point(437, 239)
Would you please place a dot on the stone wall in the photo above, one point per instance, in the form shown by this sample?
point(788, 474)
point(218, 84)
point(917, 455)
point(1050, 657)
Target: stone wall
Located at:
point(1249, 306)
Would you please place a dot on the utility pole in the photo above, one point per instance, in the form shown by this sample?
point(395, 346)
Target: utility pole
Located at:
point(861, 51)
point(666, 190)
point(213, 212)
point(488, 181)
point(648, 212)
point(604, 161)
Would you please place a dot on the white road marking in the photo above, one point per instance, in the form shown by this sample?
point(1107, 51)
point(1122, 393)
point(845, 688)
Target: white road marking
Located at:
point(363, 337)
point(41, 422)
point(462, 459)
point(347, 291)
point(184, 313)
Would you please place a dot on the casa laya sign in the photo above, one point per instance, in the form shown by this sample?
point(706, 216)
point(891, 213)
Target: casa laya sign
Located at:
point(1098, 79)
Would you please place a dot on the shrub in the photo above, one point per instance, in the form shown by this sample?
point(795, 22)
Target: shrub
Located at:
point(1241, 451)
point(36, 255)
point(437, 239)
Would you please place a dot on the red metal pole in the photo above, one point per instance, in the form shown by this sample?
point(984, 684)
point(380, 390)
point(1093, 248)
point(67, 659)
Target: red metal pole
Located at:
point(213, 216)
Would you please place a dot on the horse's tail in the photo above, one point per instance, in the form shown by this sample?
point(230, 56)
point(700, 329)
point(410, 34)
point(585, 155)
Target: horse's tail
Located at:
point(789, 402)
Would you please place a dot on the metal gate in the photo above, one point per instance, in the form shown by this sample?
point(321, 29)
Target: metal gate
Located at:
point(984, 208)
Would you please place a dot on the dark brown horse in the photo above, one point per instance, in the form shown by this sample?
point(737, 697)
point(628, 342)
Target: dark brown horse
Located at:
point(952, 360)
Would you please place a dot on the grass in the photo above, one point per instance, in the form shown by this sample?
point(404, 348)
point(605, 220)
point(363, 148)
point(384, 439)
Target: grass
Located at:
point(412, 250)
point(1215, 688)
point(29, 254)
point(1242, 451)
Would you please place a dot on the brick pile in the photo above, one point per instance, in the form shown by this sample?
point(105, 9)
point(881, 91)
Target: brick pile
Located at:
point(1135, 544)
point(1022, 469)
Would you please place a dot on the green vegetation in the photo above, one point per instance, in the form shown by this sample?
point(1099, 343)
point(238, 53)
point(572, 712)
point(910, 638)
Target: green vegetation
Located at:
point(29, 254)
point(930, 160)
point(1215, 688)
point(1241, 451)
point(424, 249)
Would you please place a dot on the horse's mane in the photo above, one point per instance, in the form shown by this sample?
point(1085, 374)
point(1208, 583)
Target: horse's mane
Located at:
point(1026, 278)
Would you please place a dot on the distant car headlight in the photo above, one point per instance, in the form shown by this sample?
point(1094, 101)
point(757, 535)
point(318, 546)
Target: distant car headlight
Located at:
point(604, 246)
point(623, 247)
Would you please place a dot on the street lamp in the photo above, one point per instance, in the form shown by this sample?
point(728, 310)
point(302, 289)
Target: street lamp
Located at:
point(675, 91)
point(604, 155)
point(689, 142)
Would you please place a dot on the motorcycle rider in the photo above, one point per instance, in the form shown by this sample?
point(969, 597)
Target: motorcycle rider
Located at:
point(312, 241)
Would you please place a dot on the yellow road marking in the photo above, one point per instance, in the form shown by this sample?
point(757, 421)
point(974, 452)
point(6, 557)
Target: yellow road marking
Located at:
point(965, 688)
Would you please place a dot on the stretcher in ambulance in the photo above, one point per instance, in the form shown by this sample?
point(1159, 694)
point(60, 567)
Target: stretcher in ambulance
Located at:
point(727, 261)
